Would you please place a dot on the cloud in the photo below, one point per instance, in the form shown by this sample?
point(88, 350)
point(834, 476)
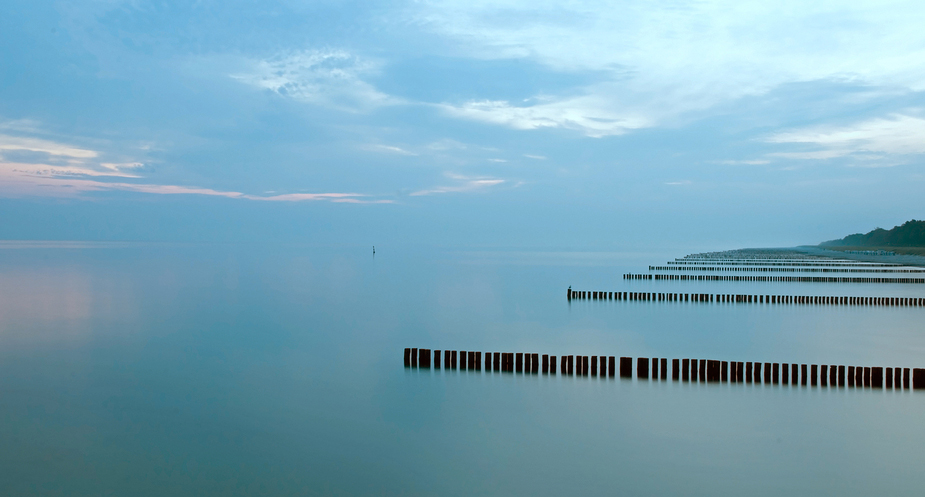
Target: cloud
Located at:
point(537, 157)
point(748, 162)
point(330, 78)
point(590, 115)
point(867, 140)
point(57, 186)
point(8, 143)
point(463, 184)
point(31, 156)
point(661, 62)
point(388, 149)
point(75, 171)
point(679, 183)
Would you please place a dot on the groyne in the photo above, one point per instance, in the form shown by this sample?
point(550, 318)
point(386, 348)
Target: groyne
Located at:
point(795, 279)
point(747, 298)
point(660, 368)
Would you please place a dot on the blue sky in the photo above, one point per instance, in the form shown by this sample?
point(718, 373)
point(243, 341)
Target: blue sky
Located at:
point(528, 124)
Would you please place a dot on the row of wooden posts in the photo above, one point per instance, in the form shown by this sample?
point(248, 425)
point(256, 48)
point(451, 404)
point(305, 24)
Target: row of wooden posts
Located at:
point(782, 263)
point(782, 269)
point(748, 299)
point(703, 370)
point(784, 279)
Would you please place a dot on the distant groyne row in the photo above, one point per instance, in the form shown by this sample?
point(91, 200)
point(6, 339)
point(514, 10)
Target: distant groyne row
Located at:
point(761, 269)
point(778, 262)
point(747, 299)
point(796, 279)
point(696, 370)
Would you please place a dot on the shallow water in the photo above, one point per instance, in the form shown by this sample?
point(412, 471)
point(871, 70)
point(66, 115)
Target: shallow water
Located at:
point(215, 369)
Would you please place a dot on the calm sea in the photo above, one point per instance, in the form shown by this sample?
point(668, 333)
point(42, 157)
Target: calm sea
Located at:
point(171, 370)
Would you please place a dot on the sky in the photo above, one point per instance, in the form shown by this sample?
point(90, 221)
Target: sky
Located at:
point(549, 125)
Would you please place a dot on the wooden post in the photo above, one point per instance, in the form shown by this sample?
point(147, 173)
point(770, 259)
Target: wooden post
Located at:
point(888, 378)
point(733, 374)
point(767, 372)
point(546, 363)
point(497, 365)
point(813, 375)
point(757, 372)
point(675, 369)
point(906, 379)
point(436, 359)
point(519, 365)
point(713, 371)
point(654, 368)
point(612, 366)
point(424, 360)
point(642, 368)
point(564, 367)
point(407, 358)
point(478, 361)
point(571, 365)
point(833, 375)
point(876, 377)
point(859, 376)
point(740, 372)
point(824, 376)
point(664, 368)
point(686, 369)
point(463, 359)
point(453, 363)
point(414, 357)
point(794, 373)
point(841, 376)
point(535, 364)
point(626, 367)
point(446, 359)
point(748, 372)
point(776, 374)
point(866, 377)
point(552, 364)
point(785, 374)
point(594, 365)
point(803, 374)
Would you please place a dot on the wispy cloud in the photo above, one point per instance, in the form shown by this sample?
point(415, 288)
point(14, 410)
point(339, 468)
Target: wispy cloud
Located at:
point(74, 171)
point(331, 78)
point(661, 62)
point(462, 184)
point(39, 157)
point(589, 115)
point(388, 149)
point(745, 162)
point(8, 143)
point(873, 139)
point(56, 186)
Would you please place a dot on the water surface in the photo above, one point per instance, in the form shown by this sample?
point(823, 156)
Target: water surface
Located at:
point(136, 369)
